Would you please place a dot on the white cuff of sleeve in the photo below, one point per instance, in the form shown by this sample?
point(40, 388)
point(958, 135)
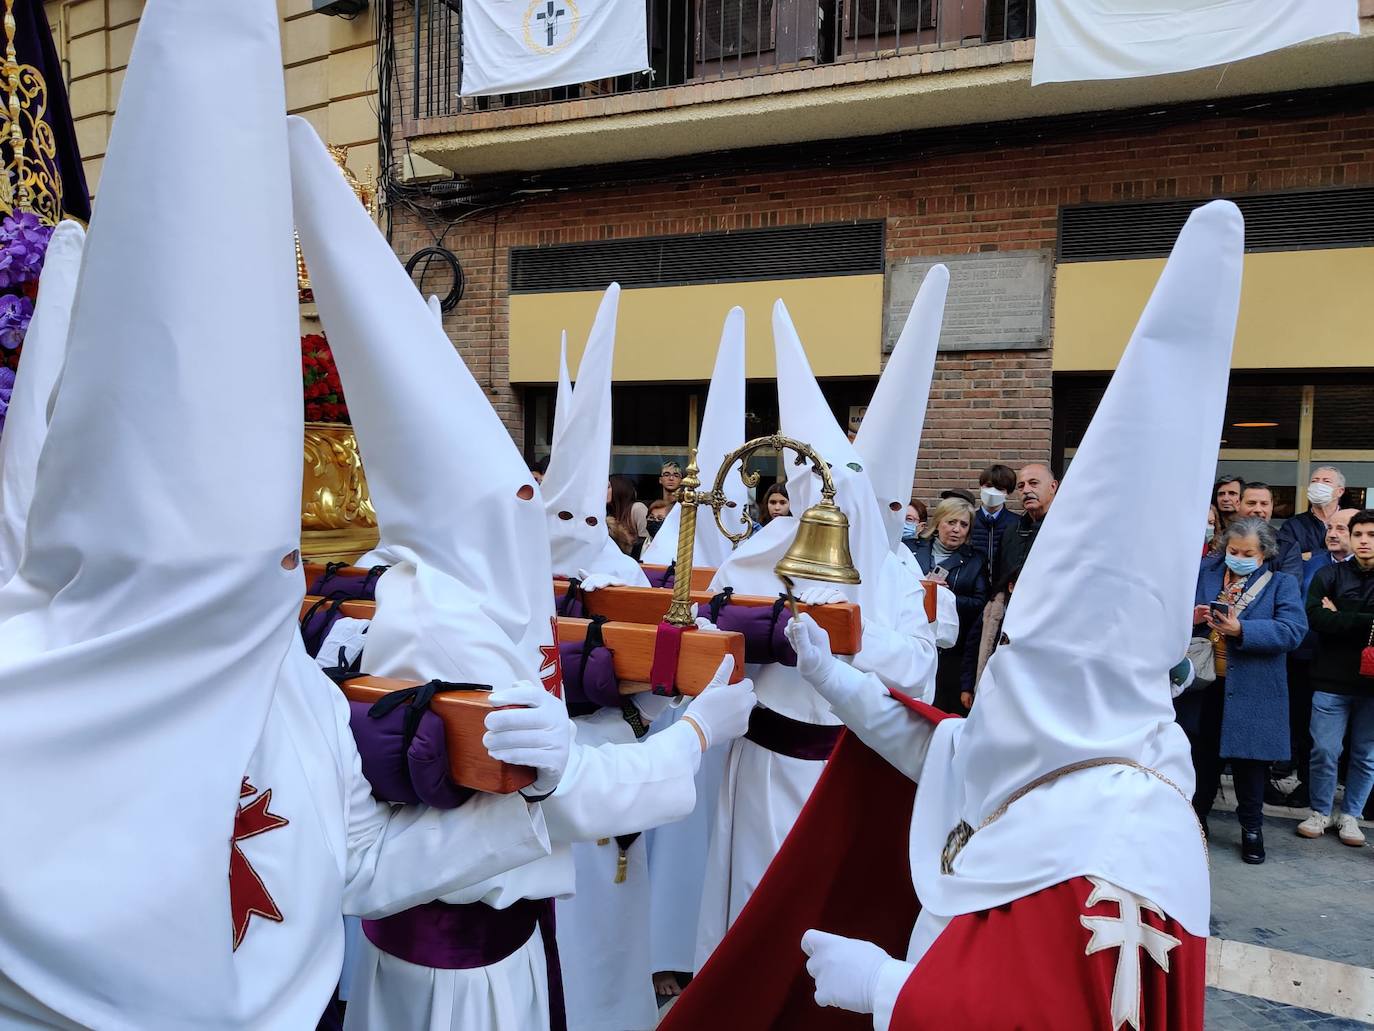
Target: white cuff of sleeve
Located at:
point(891, 978)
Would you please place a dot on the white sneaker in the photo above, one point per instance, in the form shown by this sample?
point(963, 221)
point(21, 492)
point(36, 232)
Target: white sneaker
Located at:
point(1315, 826)
point(1348, 829)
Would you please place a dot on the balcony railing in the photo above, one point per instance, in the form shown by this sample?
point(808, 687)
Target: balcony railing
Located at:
point(700, 41)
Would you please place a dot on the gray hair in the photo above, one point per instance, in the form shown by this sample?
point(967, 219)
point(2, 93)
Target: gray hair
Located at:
point(1340, 476)
point(1251, 526)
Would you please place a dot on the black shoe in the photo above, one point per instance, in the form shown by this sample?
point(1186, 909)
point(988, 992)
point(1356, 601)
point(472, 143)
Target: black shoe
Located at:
point(1273, 796)
point(1252, 847)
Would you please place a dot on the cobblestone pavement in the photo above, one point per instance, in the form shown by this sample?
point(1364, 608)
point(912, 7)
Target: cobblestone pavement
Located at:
point(1315, 898)
point(1229, 1012)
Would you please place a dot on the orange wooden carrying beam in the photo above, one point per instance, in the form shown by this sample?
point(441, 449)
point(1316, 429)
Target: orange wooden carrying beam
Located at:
point(632, 646)
point(464, 716)
point(650, 604)
point(701, 578)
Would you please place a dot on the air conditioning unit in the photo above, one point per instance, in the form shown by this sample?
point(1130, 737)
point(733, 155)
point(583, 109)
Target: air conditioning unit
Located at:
point(339, 8)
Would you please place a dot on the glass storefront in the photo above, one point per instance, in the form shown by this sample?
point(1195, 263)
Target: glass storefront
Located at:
point(1277, 429)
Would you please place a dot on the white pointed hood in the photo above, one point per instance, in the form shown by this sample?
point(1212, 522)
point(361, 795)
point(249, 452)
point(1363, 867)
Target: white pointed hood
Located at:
point(562, 404)
point(470, 597)
point(151, 620)
point(574, 487)
point(26, 424)
point(722, 431)
point(435, 308)
point(890, 435)
point(805, 415)
point(1093, 630)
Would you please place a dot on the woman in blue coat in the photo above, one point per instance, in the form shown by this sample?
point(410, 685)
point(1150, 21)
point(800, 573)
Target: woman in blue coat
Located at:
point(1254, 616)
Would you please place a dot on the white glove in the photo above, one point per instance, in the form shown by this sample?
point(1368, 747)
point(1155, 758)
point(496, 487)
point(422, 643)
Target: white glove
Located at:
point(596, 581)
point(721, 711)
point(538, 733)
point(845, 970)
point(815, 662)
point(702, 622)
point(821, 596)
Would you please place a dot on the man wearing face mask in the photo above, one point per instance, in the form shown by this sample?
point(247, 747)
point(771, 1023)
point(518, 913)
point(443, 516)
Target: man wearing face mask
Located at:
point(1307, 531)
point(992, 516)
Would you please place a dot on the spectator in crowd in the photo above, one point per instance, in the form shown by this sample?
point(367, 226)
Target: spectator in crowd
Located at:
point(1037, 484)
point(1280, 791)
point(774, 504)
point(1253, 615)
point(658, 511)
point(945, 554)
point(916, 516)
point(539, 468)
point(1226, 497)
point(670, 479)
point(1340, 607)
point(1306, 531)
point(626, 518)
point(961, 494)
point(992, 516)
point(1257, 500)
point(1209, 538)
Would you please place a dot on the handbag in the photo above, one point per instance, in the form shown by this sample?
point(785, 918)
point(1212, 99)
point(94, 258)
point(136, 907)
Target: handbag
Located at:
point(1367, 655)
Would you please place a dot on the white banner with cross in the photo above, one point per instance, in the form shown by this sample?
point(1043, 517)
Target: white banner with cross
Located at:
point(514, 45)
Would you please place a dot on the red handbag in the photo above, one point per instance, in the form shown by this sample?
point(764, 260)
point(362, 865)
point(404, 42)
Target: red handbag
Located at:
point(1367, 656)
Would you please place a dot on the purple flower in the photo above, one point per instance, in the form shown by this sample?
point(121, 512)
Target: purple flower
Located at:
point(6, 391)
point(16, 311)
point(23, 246)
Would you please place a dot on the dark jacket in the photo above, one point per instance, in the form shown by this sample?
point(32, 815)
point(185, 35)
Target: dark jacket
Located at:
point(984, 533)
point(1341, 635)
point(1290, 556)
point(1255, 718)
point(1304, 533)
point(1013, 548)
point(967, 579)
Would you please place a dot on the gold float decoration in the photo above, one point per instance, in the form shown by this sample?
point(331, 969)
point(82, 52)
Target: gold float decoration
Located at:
point(29, 177)
point(338, 522)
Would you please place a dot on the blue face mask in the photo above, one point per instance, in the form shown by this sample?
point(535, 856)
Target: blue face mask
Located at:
point(1241, 566)
point(908, 531)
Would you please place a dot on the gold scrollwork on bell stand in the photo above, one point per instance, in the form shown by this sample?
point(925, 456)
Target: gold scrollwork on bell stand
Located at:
point(29, 177)
point(820, 550)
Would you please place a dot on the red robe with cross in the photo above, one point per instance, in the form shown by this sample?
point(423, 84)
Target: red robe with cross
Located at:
point(1057, 959)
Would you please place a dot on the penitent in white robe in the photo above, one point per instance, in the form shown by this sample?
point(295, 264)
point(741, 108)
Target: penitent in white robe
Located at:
point(762, 793)
point(608, 789)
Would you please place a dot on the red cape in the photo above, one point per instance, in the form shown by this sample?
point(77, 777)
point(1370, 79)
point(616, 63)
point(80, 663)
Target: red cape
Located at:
point(844, 868)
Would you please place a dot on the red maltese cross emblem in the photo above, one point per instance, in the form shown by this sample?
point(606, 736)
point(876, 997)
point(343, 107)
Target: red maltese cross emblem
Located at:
point(248, 896)
point(551, 664)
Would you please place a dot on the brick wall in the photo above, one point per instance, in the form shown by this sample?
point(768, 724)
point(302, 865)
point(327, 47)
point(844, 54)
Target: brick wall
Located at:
point(985, 406)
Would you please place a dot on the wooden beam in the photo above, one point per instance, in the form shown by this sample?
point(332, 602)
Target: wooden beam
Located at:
point(632, 646)
point(464, 715)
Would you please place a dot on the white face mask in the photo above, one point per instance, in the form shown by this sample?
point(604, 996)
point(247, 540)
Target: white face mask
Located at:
point(1208, 532)
point(1320, 493)
point(992, 497)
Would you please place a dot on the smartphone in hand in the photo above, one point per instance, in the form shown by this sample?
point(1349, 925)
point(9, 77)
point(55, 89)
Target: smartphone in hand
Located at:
point(1220, 610)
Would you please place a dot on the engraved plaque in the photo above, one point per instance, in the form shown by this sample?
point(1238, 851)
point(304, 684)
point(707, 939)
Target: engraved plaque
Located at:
point(997, 302)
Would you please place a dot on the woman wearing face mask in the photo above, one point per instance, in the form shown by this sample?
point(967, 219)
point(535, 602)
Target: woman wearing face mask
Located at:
point(915, 523)
point(944, 553)
point(1254, 616)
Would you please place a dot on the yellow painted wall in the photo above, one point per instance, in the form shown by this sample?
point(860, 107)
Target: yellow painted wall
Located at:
point(328, 64)
point(1298, 309)
point(671, 333)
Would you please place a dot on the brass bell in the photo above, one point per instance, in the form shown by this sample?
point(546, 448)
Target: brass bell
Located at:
point(820, 550)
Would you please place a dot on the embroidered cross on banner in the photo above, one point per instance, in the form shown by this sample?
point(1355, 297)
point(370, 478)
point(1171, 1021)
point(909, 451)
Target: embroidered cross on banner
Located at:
point(1129, 933)
point(549, 16)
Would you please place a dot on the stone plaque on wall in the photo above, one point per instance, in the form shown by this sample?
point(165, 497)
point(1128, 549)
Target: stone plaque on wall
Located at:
point(997, 301)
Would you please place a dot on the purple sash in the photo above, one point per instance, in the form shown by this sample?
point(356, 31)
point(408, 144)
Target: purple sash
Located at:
point(793, 738)
point(475, 935)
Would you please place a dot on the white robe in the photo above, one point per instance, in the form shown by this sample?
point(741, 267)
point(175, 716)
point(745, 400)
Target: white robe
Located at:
point(607, 790)
point(339, 851)
point(762, 793)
